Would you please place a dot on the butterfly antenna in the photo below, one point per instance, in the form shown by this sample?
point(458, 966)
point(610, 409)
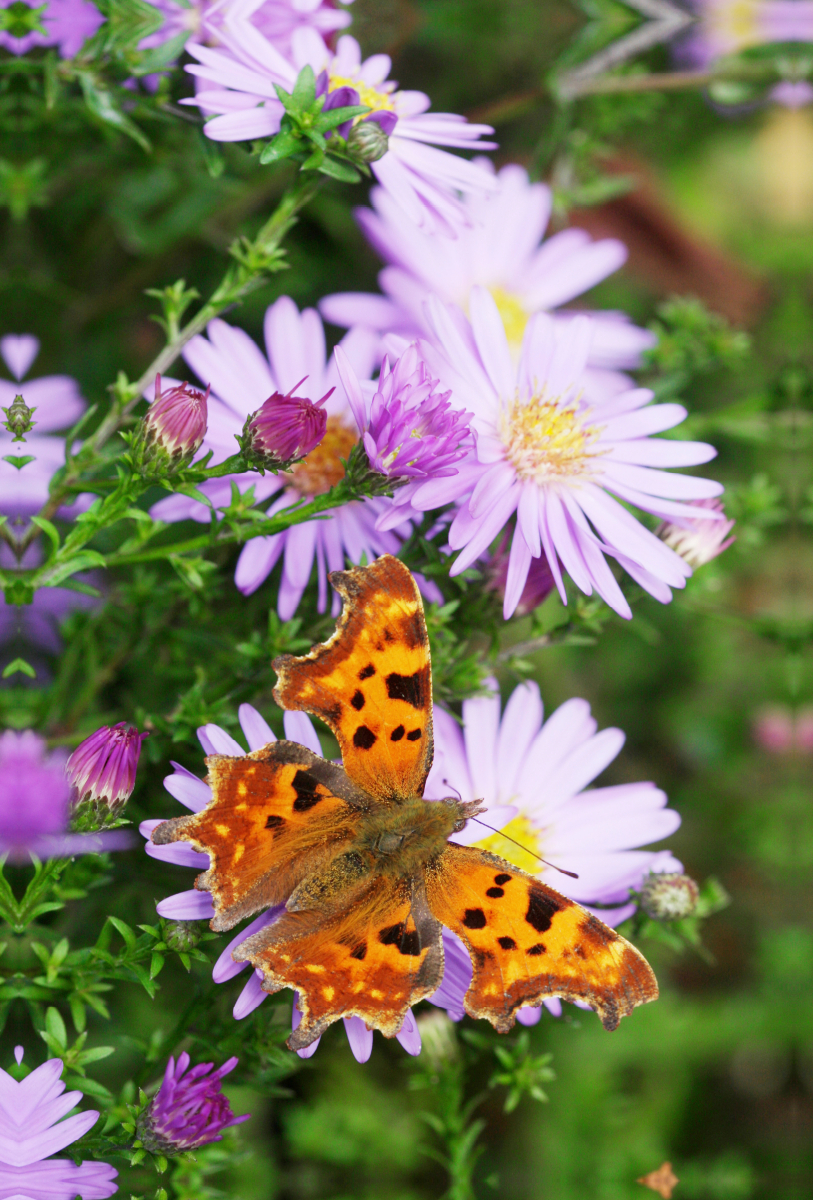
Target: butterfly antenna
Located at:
point(561, 870)
point(453, 788)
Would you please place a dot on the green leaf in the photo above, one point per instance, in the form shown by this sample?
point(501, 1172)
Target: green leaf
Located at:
point(50, 530)
point(304, 93)
point(19, 667)
point(126, 932)
point(79, 562)
point(337, 116)
point(338, 169)
point(100, 102)
point(55, 1027)
point(18, 461)
point(283, 145)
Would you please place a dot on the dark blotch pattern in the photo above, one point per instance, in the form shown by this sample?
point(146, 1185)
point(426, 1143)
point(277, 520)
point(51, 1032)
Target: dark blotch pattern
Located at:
point(305, 787)
point(414, 735)
point(367, 672)
point(389, 636)
point(501, 879)
point(541, 911)
point(359, 951)
point(535, 951)
point(474, 918)
point(397, 734)
point(495, 893)
point(507, 943)
point(364, 738)
point(358, 700)
point(411, 688)
point(408, 942)
point(275, 822)
point(592, 930)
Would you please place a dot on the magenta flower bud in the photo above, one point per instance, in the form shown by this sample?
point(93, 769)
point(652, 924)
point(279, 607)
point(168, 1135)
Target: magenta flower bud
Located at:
point(284, 429)
point(189, 1109)
point(102, 769)
point(698, 539)
point(174, 427)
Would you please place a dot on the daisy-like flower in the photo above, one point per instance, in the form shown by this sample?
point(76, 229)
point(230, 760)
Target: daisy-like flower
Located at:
point(193, 905)
point(67, 25)
point(697, 539)
point(242, 378)
point(539, 774)
point(423, 179)
point(102, 768)
point(31, 1129)
point(34, 804)
point(498, 248)
point(58, 404)
point(556, 454)
point(189, 1109)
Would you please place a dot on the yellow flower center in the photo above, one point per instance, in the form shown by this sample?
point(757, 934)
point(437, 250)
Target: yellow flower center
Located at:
point(514, 316)
point(523, 855)
point(323, 468)
point(375, 100)
point(547, 441)
point(737, 22)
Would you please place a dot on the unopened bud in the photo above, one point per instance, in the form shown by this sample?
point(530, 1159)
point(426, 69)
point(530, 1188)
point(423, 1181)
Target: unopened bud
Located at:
point(284, 429)
point(438, 1038)
point(19, 419)
point(183, 935)
point(102, 772)
point(174, 427)
point(188, 1110)
point(367, 142)
point(669, 896)
point(698, 539)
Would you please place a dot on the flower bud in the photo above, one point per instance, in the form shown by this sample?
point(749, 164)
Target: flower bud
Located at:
point(284, 429)
point(367, 142)
point(102, 772)
point(174, 427)
point(438, 1038)
point(183, 935)
point(189, 1109)
point(19, 419)
point(698, 539)
point(669, 896)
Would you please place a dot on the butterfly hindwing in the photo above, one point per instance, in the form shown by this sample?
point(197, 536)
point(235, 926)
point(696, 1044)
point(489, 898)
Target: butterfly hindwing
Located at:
point(371, 958)
point(371, 682)
point(276, 816)
point(528, 942)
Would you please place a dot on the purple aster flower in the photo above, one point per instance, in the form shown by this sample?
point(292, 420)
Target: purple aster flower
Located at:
point(410, 431)
point(34, 804)
point(534, 778)
point(102, 768)
point(31, 1129)
point(422, 179)
point(552, 451)
point(697, 539)
point(58, 405)
point(195, 905)
point(285, 428)
point(499, 249)
point(175, 424)
point(241, 378)
point(189, 1109)
point(67, 24)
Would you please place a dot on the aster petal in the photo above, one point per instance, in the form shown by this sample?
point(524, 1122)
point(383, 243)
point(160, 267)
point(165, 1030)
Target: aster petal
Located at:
point(660, 452)
point(641, 424)
point(257, 731)
point(359, 1037)
point(481, 718)
point(520, 724)
point(299, 728)
point(409, 1035)
point(226, 968)
point(216, 741)
point(190, 791)
point(18, 351)
point(258, 558)
point(490, 526)
point(187, 906)
point(250, 998)
point(529, 1016)
point(663, 483)
point(519, 563)
point(492, 343)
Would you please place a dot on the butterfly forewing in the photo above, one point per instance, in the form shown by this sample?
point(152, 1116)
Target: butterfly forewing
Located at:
point(276, 816)
point(371, 682)
point(527, 942)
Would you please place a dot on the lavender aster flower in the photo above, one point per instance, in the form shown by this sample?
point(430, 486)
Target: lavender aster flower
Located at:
point(422, 179)
point(285, 428)
point(102, 768)
point(534, 778)
point(552, 452)
point(189, 1110)
point(67, 25)
point(499, 247)
point(241, 379)
point(410, 431)
point(34, 802)
point(195, 905)
point(31, 1129)
point(697, 539)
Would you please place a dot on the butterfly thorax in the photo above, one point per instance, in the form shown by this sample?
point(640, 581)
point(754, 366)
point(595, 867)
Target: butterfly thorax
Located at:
point(401, 838)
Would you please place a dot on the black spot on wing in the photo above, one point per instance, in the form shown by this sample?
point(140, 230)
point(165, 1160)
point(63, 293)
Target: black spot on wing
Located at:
point(389, 636)
point(501, 879)
point(412, 688)
point(305, 787)
point(367, 672)
point(358, 700)
point(474, 918)
point(397, 734)
point(495, 893)
point(413, 630)
point(275, 822)
point(407, 941)
point(541, 910)
point(359, 951)
point(414, 735)
point(535, 951)
point(364, 738)
point(507, 943)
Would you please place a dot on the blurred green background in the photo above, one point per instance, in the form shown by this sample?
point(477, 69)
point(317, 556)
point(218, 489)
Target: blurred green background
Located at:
point(717, 1077)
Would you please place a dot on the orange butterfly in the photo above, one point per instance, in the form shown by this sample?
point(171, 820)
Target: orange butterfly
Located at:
point(362, 862)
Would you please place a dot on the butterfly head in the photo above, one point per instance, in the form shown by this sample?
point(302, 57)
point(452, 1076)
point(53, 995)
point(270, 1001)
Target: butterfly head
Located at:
point(404, 837)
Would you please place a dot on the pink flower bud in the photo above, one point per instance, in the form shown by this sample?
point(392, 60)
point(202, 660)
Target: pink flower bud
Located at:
point(102, 768)
point(284, 428)
point(176, 420)
point(698, 539)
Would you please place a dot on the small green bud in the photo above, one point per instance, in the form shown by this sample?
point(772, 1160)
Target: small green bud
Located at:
point(182, 936)
point(367, 142)
point(669, 896)
point(19, 419)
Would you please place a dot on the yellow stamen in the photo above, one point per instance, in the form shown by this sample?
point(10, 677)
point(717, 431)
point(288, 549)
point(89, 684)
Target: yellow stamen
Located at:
point(547, 441)
point(374, 99)
point(514, 316)
point(522, 831)
point(322, 469)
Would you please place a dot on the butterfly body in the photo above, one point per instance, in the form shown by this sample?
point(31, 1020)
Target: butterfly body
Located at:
point(362, 863)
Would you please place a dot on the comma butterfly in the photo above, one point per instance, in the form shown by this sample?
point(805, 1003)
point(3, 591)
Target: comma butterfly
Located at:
point(363, 863)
